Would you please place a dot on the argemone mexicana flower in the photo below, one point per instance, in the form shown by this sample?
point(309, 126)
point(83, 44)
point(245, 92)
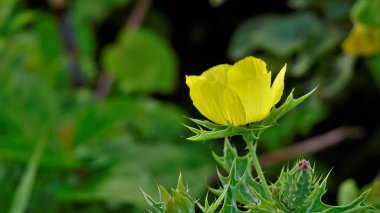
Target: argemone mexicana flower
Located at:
point(236, 94)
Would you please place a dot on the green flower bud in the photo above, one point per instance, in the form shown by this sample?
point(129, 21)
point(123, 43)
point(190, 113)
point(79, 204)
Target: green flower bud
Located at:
point(297, 185)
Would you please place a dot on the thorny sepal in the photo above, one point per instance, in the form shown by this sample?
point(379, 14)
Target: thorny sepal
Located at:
point(289, 104)
point(178, 201)
point(207, 130)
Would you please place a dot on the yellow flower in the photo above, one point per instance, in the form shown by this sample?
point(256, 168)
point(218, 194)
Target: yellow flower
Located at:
point(236, 94)
point(363, 40)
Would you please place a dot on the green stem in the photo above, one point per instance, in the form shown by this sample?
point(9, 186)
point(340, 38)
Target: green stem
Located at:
point(256, 164)
point(21, 197)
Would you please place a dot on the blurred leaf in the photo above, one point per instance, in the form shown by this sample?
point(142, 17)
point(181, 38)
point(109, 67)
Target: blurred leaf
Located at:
point(336, 9)
point(282, 36)
point(298, 122)
point(315, 49)
point(21, 118)
point(91, 12)
point(6, 11)
point(121, 182)
point(367, 12)
point(159, 22)
point(340, 76)
point(300, 4)
point(84, 39)
point(217, 3)
point(24, 18)
point(374, 195)
point(38, 51)
point(18, 149)
point(331, 9)
point(143, 118)
point(141, 61)
point(24, 189)
point(373, 64)
point(34, 106)
point(347, 192)
point(49, 39)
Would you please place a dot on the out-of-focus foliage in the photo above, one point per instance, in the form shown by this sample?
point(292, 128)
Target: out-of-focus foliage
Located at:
point(141, 61)
point(364, 38)
point(348, 190)
point(98, 152)
point(374, 195)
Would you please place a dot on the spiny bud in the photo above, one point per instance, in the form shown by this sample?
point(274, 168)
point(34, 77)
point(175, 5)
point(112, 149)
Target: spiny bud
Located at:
point(297, 185)
point(304, 165)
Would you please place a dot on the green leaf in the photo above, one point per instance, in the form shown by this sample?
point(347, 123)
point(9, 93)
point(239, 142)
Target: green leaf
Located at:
point(340, 76)
point(112, 168)
point(326, 41)
point(85, 43)
point(367, 12)
point(242, 172)
point(24, 18)
point(141, 61)
point(178, 201)
point(145, 118)
point(183, 202)
point(6, 11)
point(47, 31)
point(281, 36)
point(91, 12)
point(347, 192)
point(36, 94)
point(315, 204)
point(157, 206)
point(374, 195)
point(24, 190)
point(231, 187)
point(373, 64)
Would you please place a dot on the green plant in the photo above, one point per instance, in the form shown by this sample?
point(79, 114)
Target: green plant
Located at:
point(297, 189)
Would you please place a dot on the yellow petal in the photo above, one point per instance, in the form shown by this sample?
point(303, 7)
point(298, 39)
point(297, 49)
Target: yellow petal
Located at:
point(278, 86)
point(250, 79)
point(217, 73)
point(216, 101)
point(248, 67)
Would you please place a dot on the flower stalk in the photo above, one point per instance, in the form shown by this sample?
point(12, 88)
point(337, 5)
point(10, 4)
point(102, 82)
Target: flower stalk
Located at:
point(256, 164)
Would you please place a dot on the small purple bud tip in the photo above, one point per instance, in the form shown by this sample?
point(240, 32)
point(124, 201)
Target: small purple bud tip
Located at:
point(304, 165)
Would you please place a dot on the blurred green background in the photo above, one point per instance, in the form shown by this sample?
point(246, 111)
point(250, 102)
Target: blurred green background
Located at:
point(93, 98)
